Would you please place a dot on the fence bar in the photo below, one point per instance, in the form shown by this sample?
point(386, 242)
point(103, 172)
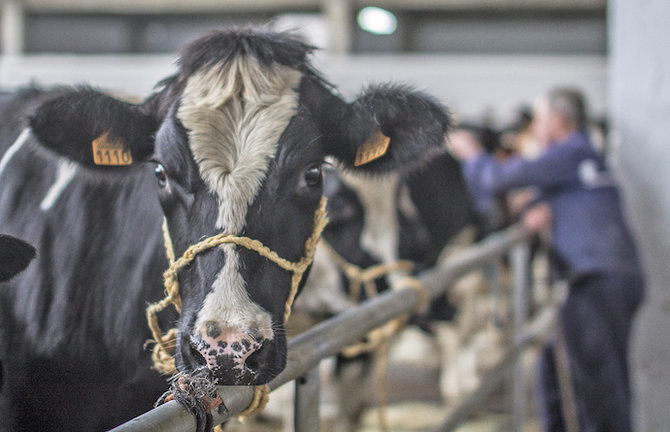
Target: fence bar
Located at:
point(172, 417)
point(536, 330)
point(519, 257)
point(329, 337)
point(306, 407)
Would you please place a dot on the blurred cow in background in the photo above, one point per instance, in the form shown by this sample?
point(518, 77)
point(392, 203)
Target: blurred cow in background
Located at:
point(424, 215)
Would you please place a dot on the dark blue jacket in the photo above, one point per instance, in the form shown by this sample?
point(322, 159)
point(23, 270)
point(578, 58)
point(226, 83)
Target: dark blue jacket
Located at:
point(589, 233)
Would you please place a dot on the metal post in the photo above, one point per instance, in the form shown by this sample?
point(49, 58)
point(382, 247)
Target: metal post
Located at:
point(306, 406)
point(519, 258)
point(492, 271)
point(339, 15)
point(13, 19)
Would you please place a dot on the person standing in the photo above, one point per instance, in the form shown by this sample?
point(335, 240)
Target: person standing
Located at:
point(592, 248)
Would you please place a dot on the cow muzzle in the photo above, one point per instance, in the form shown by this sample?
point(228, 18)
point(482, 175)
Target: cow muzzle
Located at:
point(232, 355)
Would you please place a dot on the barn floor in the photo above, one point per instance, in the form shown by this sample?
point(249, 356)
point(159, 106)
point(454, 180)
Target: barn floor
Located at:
point(415, 404)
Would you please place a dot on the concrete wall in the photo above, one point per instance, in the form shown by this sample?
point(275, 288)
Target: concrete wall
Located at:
point(469, 85)
point(640, 114)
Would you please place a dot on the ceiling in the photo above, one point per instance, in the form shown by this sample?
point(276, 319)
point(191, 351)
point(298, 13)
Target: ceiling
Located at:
point(198, 6)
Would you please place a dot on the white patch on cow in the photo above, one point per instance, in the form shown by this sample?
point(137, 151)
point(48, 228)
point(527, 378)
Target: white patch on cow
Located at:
point(65, 172)
point(228, 303)
point(381, 229)
point(235, 114)
point(15, 147)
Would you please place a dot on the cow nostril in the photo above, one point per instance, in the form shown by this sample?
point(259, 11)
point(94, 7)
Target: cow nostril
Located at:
point(255, 335)
point(195, 353)
point(253, 362)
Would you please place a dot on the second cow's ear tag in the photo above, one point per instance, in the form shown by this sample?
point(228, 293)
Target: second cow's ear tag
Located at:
point(373, 148)
point(110, 152)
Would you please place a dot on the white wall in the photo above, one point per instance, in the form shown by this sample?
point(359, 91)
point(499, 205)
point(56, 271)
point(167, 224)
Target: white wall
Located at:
point(640, 114)
point(130, 74)
point(469, 85)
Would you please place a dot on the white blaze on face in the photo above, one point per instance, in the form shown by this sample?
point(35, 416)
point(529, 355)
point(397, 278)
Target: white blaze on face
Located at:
point(381, 230)
point(235, 114)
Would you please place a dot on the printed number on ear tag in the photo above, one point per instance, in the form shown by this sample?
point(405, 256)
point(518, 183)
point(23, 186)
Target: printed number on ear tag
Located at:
point(373, 148)
point(109, 152)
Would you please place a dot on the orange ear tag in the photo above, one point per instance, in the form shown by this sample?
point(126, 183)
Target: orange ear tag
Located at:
point(373, 148)
point(111, 153)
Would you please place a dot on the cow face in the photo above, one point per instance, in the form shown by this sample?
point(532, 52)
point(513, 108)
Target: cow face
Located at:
point(236, 140)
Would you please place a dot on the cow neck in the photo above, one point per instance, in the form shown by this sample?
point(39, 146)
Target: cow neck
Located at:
point(166, 343)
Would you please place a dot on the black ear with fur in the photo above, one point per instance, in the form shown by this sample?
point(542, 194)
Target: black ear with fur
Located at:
point(15, 255)
point(94, 129)
point(388, 128)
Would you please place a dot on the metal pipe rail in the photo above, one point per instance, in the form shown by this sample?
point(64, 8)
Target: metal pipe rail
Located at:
point(535, 331)
point(326, 339)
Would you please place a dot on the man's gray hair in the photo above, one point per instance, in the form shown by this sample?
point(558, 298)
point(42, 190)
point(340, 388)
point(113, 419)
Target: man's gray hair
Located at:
point(569, 102)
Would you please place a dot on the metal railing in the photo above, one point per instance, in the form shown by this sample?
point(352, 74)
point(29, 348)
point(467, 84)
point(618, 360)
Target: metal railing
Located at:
point(326, 339)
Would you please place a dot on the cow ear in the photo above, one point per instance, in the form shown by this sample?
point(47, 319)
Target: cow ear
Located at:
point(390, 128)
point(15, 255)
point(94, 129)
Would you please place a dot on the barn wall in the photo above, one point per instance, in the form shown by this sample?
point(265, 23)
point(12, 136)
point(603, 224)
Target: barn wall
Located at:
point(640, 113)
point(471, 85)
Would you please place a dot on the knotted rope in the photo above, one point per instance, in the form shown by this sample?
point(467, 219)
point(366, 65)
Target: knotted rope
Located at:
point(363, 279)
point(162, 355)
point(378, 340)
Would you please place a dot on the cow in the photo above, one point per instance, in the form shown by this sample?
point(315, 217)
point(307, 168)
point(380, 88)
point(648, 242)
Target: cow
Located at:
point(409, 214)
point(232, 143)
point(418, 214)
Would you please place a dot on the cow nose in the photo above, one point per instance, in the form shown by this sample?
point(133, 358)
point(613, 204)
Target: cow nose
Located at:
point(225, 347)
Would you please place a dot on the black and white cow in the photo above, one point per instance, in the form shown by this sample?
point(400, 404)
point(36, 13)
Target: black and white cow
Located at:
point(411, 214)
point(235, 140)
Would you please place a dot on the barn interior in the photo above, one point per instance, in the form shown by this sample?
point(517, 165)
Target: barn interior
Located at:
point(487, 60)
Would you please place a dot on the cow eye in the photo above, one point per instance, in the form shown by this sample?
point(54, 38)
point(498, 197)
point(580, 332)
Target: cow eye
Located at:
point(161, 175)
point(313, 176)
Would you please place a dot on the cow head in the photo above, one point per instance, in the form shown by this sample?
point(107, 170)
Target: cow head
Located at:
point(237, 138)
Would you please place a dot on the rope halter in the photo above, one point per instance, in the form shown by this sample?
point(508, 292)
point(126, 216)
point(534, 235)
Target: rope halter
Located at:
point(363, 280)
point(378, 340)
point(166, 343)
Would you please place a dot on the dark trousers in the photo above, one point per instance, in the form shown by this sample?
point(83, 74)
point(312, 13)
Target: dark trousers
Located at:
point(596, 321)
